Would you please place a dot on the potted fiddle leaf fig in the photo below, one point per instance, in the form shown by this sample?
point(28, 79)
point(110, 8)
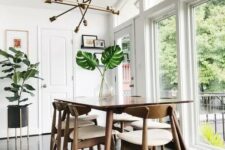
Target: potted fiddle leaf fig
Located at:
point(111, 57)
point(18, 70)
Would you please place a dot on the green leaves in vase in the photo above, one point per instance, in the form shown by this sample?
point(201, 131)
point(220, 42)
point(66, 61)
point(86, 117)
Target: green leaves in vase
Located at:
point(111, 57)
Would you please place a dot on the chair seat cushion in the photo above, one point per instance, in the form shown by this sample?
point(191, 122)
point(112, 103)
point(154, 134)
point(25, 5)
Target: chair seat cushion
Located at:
point(156, 137)
point(124, 117)
point(81, 123)
point(151, 125)
point(90, 132)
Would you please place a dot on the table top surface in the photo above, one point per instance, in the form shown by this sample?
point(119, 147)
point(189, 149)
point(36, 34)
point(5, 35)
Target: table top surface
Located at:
point(116, 102)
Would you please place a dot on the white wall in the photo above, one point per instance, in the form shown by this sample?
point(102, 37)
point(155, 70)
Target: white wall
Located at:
point(21, 18)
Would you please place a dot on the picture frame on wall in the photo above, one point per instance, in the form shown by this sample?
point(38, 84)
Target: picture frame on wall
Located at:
point(18, 39)
point(88, 41)
point(99, 44)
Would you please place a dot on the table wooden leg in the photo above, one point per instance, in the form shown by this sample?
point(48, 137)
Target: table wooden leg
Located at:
point(108, 130)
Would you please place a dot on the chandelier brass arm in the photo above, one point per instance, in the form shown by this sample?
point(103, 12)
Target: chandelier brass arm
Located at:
point(83, 6)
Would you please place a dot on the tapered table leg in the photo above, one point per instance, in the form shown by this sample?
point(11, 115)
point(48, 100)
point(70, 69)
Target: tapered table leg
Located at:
point(108, 130)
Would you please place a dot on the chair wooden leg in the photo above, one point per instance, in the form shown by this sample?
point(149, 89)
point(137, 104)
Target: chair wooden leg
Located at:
point(99, 147)
point(122, 145)
point(114, 137)
point(91, 148)
point(162, 147)
point(54, 147)
point(153, 148)
point(122, 126)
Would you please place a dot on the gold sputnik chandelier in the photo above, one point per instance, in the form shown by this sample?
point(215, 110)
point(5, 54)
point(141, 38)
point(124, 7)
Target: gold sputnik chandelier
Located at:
point(83, 6)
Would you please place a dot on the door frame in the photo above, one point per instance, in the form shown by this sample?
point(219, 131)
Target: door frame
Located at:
point(129, 29)
point(39, 95)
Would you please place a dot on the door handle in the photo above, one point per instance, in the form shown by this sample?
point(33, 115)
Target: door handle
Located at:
point(132, 85)
point(44, 86)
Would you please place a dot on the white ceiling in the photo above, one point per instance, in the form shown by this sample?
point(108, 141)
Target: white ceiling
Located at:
point(41, 4)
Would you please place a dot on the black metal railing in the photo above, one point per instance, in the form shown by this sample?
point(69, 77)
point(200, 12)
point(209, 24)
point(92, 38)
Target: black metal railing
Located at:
point(213, 111)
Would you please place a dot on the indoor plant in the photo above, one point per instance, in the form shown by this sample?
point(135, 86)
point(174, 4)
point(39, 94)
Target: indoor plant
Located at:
point(18, 69)
point(111, 57)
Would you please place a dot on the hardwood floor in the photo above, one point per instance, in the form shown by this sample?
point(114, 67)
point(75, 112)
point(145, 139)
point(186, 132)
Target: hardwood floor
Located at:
point(35, 143)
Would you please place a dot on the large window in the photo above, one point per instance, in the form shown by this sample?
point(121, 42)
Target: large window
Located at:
point(209, 21)
point(167, 57)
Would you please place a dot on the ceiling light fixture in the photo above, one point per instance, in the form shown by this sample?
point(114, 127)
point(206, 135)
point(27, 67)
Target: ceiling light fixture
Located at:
point(83, 7)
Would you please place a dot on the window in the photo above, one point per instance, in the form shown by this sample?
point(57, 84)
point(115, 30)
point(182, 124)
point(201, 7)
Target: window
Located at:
point(128, 10)
point(209, 27)
point(167, 57)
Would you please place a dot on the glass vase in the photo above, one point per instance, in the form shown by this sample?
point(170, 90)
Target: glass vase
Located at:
point(105, 89)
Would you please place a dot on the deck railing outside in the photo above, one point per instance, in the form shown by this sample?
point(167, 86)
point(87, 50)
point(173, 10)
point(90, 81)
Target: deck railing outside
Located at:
point(213, 111)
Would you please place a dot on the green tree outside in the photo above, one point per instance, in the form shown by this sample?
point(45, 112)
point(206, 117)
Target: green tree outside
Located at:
point(210, 42)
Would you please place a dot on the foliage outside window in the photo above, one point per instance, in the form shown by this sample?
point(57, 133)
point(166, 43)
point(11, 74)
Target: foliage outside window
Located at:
point(210, 39)
point(167, 57)
point(211, 137)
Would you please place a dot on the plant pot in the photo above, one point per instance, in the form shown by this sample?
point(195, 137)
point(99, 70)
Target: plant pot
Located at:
point(15, 117)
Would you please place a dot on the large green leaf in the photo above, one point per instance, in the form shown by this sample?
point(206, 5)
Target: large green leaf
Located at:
point(30, 74)
point(5, 54)
point(12, 99)
point(26, 91)
point(29, 87)
point(8, 70)
point(7, 76)
point(14, 90)
point(87, 60)
point(23, 100)
point(26, 61)
point(112, 57)
point(15, 51)
point(16, 77)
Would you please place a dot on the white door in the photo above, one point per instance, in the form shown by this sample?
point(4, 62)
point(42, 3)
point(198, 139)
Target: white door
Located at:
point(125, 76)
point(56, 70)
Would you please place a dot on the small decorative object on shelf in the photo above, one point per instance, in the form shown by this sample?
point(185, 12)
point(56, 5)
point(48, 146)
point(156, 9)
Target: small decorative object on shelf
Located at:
point(18, 70)
point(111, 57)
point(99, 44)
point(88, 41)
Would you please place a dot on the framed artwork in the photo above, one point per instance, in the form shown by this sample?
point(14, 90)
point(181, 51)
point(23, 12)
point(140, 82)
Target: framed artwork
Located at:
point(18, 39)
point(88, 41)
point(99, 43)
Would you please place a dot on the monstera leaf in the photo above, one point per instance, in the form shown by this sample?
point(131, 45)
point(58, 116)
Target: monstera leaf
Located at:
point(112, 57)
point(87, 60)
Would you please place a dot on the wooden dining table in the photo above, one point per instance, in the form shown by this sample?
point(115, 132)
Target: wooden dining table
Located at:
point(117, 104)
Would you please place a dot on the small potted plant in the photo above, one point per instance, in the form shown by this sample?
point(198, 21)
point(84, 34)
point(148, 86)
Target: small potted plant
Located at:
point(111, 57)
point(18, 70)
